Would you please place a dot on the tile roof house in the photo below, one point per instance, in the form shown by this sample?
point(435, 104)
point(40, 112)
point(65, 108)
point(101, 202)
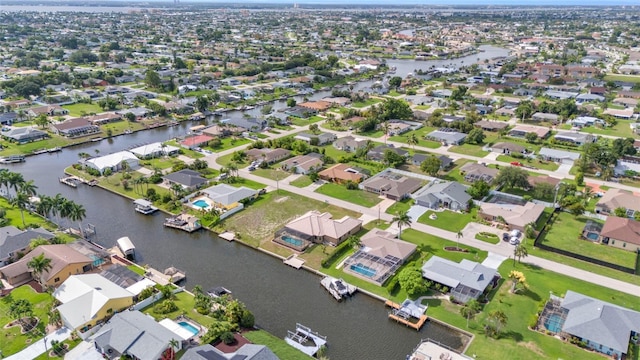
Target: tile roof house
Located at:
point(491, 125)
point(448, 195)
point(268, 155)
point(622, 233)
point(195, 141)
point(473, 171)
point(136, 335)
point(349, 143)
point(321, 228)
point(522, 130)
point(245, 352)
point(76, 127)
point(23, 135)
point(616, 198)
point(515, 216)
point(466, 280)
point(340, 173)
point(604, 327)
point(65, 261)
point(303, 164)
point(89, 299)
point(391, 185)
point(187, 178)
point(14, 242)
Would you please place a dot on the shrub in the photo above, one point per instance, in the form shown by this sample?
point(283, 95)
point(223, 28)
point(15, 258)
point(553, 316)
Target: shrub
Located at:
point(147, 292)
point(337, 253)
point(227, 337)
point(392, 285)
point(165, 307)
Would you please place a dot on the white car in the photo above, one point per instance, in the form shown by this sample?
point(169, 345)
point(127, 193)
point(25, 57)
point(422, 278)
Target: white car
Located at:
point(514, 241)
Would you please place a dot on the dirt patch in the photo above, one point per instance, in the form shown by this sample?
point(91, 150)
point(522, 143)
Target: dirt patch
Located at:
point(533, 347)
point(282, 199)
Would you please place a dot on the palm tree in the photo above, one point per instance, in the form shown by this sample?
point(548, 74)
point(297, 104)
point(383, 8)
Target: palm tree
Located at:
point(412, 140)
point(4, 179)
point(45, 206)
point(20, 201)
point(354, 241)
point(176, 188)
point(469, 309)
point(385, 126)
point(77, 213)
point(403, 219)
point(56, 204)
point(458, 236)
point(14, 181)
point(497, 319)
point(54, 317)
point(173, 344)
point(519, 252)
point(28, 188)
point(39, 265)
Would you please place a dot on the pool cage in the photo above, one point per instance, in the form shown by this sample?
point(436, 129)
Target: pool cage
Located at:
point(591, 230)
point(292, 240)
point(553, 316)
point(383, 267)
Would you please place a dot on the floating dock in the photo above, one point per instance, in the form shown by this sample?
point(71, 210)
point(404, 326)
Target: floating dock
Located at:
point(406, 312)
point(305, 340)
point(12, 159)
point(72, 181)
point(294, 261)
point(338, 288)
point(183, 222)
point(144, 206)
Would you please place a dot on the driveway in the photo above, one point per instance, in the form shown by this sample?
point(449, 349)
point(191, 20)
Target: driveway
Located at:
point(84, 351)
point(493, 260)
point(416, 211)
point(564, 169)
point(34, 350)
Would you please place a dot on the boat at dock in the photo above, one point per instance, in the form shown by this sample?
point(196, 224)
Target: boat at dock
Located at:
point(305, 340)
point(72, 181)
point(144, 206)
point(338, 288)
point(127, 248)
point(409, 313)
point(183, 222)
point(96, 139)
point(218, 291)
point(40, 151)
point(54, 149)
point(12, 159)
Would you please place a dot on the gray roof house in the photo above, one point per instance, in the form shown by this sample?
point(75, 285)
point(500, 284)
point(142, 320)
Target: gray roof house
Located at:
point(604, 327)
point(134, 334)
point(445, 161)
point(559, 156)
point(349, 143)
point(447, 136)
point(575, 138)
point(188, 179)
point(450, 195)
point(322, 138)
point(226, 195)
point(247, 124)
point(245, 352)
point(377, 153)
point(14, 241)
point(23, 135)
point(466, 280)
point(390, 184)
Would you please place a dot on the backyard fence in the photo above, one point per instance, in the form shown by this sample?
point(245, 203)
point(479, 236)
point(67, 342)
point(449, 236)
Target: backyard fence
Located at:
point(539, 243)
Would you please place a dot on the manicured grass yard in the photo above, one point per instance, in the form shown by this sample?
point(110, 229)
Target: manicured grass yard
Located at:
point(449, 220)
point(399, 206)
point(368, 102)
point(229, 143)
point(469, 149)
point(11, 339)
point(454, 174)
point(186, 305)
point(536, 163)
point(277, 345)
point(81, 109)
point(517, 341)
point(565, 232)
point(358, 197)
point(621, 129)
point(302, 181)
point(618, 77)
point(273, 174)
point(257, 223)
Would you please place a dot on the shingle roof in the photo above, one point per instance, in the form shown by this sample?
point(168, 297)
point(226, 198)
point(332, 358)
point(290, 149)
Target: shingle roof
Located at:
point(624, 229)
point(467, 273)
point(227, 194)
point(12, 238)
point(186, 177)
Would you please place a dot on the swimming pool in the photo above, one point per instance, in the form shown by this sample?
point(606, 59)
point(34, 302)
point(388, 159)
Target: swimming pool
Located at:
point(592, 236)
point(201, 203)
point(292, 241)
point(192, 329)
point(554, 323)
point(363, 270)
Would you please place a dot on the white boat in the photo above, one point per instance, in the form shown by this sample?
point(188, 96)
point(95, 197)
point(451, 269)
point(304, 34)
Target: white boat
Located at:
point(305, 340)
point(144, 207)
point(338, 288)
point(126, 246)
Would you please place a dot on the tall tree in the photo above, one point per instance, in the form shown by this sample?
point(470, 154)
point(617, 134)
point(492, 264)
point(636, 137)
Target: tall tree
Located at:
point(519, 251)
point(77, 213)
point(38, 266)
point(496, 320)
point(431, 165)
point(20, 201)
point(512, 177)
point(470, 309)
point(402, 218)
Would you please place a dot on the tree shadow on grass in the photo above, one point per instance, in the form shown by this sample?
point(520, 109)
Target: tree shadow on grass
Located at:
point(516, 336)
point(531, 295)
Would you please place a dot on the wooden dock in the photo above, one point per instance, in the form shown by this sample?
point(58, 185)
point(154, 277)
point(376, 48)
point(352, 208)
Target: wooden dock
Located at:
point(294, 261)
point(405, 320)
point(228, 235)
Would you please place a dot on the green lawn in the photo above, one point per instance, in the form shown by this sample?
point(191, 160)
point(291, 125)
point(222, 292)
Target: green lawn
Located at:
point(15, 217)
point(373, 133)
point(186, 305)
point(626, 78)
point(449, 220)
point(367, 102)
point(302, 181)
point(81, 109)
point(161, 163)
point(11, 339)
point(565, 232)
point(273, 174)
point(620, 129)
point(400, 206)
point(303, 122)
point(277, 345)
point(358, 197)
point(229, 143)
point(536, 163)
point(454, 174)
point(469, 149)
point(421, 141)
point(517, 341)
point(488, 237)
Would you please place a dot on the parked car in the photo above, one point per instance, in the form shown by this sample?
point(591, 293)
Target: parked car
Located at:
point(514, 241)
point(505, 236)
point(262, 191)
point(516, 163)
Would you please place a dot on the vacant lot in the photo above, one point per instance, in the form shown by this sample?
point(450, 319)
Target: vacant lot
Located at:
point(358, 197)
point(449, 220)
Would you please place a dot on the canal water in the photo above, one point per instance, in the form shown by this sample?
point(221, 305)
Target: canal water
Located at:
point(278, 295)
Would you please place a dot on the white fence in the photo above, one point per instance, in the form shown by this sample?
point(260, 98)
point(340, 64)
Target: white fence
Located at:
point(152, 299)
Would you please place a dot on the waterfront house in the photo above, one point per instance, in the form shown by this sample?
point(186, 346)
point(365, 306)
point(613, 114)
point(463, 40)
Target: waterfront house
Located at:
point(253, 125)
point(188, 179)
point(154, 150)
point(466, 280)
point(102, 119)
point(65, 261)
point(192, 142)
point(139, 112)
point(349, 143)
point(303, 164)
point(245, 352)
point(379, 256)
point(222, 130)
point(113, 161)
point(601, 326)
point(559, 156)
point(227, 197)
point(341, 173)
point(23, 135)
point(448, 195)
point(76, 127)
point(88, 300)
point(267, 155)
point(392, 185)
point(135, 335)
point(320, 228)
point(623, 233)
point(14, 243)
point(447, 136)
point(514, 216)
point(473, 171)
point(616, 198)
